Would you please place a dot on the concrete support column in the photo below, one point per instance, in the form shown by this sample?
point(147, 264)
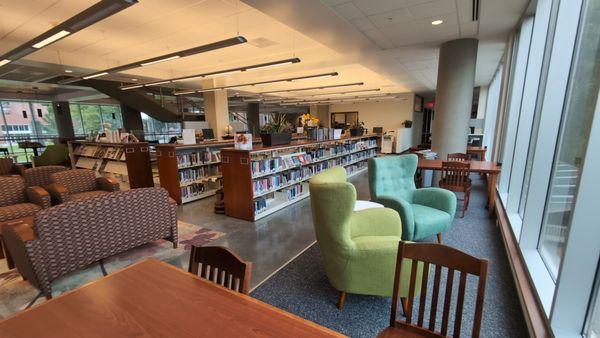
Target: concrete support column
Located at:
point(253, 117)
point(132, 121)
point(216, 111)
point(64, 122)
point(454, 96)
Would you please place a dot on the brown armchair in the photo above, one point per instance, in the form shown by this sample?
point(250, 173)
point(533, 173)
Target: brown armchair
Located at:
point(40, 176)
point(77, 184)
point(73, 235)
point(16, 202)
point(8, 167)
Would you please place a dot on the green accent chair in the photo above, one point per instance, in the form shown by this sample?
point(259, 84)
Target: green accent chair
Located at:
point(424, 212)
point(359, 248)
point(54, 154)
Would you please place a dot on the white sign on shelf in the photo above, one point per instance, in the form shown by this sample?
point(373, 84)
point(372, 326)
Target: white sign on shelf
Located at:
point(189, 136)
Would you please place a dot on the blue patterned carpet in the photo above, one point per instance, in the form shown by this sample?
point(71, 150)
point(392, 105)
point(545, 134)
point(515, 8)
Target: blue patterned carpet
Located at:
point(303, 289)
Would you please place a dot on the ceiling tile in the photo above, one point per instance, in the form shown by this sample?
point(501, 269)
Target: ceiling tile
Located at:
point(378, 38)
point(469, 28)
point(363, 23)
point(391, 18)
point(348, 11)
point(416, 2)
point(429, 9)
point(369, 7)
point(449, 20)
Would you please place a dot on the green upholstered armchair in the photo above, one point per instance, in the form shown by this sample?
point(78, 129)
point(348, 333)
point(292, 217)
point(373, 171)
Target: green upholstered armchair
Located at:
point(54, 154)
point(359, 248)
point(424, 212)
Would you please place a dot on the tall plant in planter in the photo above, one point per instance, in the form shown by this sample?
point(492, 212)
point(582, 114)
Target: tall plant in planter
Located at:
point(277, 132)
point(357, 129)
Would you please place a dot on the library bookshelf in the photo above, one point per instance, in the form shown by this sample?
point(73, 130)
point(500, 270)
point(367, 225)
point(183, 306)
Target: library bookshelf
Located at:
point(190, 172)
point(129, 163)
point(261, 181)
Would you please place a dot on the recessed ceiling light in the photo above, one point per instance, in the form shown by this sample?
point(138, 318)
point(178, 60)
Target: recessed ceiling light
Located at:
point(134, 80)
point(68, 71)
point(437, 22)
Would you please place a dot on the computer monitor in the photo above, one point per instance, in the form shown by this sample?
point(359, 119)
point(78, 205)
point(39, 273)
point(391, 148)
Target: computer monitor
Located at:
point(208, 134)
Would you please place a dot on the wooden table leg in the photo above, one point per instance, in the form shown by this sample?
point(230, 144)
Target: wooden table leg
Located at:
point(491, 189)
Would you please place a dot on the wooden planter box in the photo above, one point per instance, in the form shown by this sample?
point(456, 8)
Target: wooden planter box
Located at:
point(276, 139)
point(357, 132)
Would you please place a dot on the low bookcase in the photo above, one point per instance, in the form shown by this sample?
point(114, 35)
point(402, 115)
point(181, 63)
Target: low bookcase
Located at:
point(261, 181)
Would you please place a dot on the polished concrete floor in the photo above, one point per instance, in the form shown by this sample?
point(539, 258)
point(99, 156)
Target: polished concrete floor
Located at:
point(269, 243)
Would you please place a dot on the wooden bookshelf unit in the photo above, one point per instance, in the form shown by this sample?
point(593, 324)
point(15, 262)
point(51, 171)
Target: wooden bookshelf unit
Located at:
point(127, 162)
point(261, 181)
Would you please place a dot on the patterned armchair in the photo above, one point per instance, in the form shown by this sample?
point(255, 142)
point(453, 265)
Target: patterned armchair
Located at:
point(77, 184)
point(73, 235)
point(16, 201)
point(8, 167)
point(40, 176)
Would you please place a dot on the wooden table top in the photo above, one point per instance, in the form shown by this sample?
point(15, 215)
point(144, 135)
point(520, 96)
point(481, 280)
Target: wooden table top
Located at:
point(151, 299)
point(476, 149)
point(485, 167)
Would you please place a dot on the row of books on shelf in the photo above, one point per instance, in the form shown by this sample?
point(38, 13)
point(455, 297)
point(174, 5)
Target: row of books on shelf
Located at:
point(263, 166)
point(194, 174)
point(108, 152)
point(198, 157)
point(196, 189)
point(265, 184)
point(287, 194)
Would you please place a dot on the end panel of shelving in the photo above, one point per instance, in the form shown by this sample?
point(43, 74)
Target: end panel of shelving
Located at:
point(237, 184)
point(139, 169)
point(166, 159)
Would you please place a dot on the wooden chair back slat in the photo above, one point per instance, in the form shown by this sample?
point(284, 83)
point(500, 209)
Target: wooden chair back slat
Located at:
point(434, 297)
point(221, 266)
point(411, 291)
point(456, 261)
point(447, 302)
point(424, 281)
point(459, 304)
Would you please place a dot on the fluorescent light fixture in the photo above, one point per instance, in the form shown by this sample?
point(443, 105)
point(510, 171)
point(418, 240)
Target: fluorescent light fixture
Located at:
point(156, 83)
point(345, 92)
point(160, 60)
point(51, 39)
point(265, 82)
point(437, 22)
point(5, 61)
point(97, 12)
point(134, 80)
point(91, 76)
point(135, 86)
point(314, 77)
point(314, 88)
point(68, 71)
point(234, 70)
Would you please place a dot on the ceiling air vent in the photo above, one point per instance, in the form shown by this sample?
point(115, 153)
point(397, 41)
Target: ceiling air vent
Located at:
point(475, 13)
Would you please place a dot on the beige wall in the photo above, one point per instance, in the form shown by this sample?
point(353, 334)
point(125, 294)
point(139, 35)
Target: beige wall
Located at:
point(388, 114)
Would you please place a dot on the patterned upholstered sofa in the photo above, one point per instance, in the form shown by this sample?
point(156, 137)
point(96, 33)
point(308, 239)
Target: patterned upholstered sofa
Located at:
point(76, 184)
point(73, 235)
point(40, 176)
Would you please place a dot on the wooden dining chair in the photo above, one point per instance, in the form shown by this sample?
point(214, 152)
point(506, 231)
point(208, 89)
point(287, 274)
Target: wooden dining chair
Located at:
point(222, 266)
point(455, 177)
point(459, 157)
point(455, 262)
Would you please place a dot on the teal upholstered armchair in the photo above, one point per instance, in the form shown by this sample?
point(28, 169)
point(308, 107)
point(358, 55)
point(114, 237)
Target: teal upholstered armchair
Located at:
point(359, 248)
point(424, 212)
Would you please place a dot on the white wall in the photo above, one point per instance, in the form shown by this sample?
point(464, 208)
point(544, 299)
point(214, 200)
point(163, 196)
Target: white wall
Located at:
point(388, 114)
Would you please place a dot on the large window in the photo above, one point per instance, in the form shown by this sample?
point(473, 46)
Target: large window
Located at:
point(158, 130)
point(88, 118)
point(549, 125)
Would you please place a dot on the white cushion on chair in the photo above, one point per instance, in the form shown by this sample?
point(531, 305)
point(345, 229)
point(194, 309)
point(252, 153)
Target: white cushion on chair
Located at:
point(362, 205)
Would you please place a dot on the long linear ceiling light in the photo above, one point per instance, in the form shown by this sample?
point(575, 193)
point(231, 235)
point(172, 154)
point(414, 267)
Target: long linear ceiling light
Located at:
point(356, 97)
point(312, 88)
point(88, 17)
point(219, 72)
point(339, 101)
point(281, 99)
point(167, 57)
point(289, 79)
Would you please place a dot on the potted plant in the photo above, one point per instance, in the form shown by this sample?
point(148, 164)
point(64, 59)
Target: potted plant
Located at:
point(277, 131)
point(357, 129)
point(407, 123)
